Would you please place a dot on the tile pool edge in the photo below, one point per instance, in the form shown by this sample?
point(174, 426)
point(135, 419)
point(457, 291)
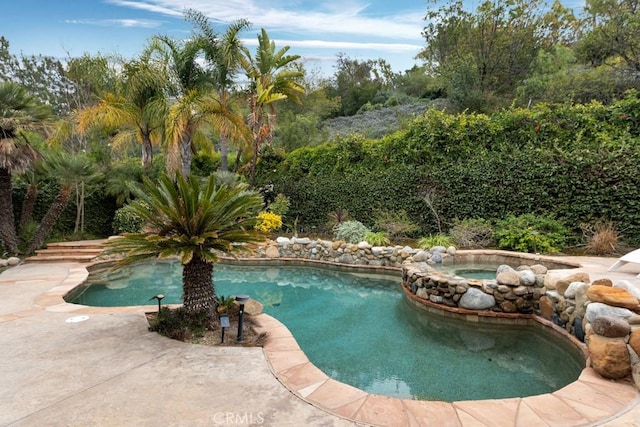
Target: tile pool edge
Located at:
point(574, 402)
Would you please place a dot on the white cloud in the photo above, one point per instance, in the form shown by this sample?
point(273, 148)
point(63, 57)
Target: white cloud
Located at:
point(326, 19)
point(337, 45)
point(126, 23)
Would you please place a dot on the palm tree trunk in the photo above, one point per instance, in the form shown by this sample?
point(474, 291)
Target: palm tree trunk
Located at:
point(199, 295)
point(28, 204)
point(147, 152)
point(50, 218)
point(224, 152)
point(185, 154)
point(7, 224)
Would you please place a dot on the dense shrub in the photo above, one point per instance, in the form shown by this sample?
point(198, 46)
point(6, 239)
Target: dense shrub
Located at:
point(126, 220)
point(351, 231)
point(576, 162)
point(531, 233)
point(472, 233)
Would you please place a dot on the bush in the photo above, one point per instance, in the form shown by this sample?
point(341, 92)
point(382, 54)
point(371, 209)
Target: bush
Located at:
point(531, 233)
point(280, 206)
point(472, 233)
point(377, 238)
point(125, 220)
point(602, 237)
point(268, 222)
point(351, 231)
point(396, 223)
point(432, 240)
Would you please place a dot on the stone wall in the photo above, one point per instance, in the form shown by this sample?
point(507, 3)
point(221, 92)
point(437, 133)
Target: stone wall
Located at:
point(342, 253)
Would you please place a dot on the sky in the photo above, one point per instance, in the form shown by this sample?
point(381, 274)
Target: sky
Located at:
point(316, 30)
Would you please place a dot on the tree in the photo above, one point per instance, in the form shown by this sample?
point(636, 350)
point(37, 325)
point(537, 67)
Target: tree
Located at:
point(223, 57)
point(195, 222)
point(613, 31)
point(72, 172)
point(137, 109)
point(272, 79)
point(482, 57)
point(358, 82)
point(19, 112)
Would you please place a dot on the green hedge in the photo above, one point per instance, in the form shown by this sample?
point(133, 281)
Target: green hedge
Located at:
point(578, 163)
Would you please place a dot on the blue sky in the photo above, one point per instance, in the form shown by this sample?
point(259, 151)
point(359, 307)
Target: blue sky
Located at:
point(316, 30)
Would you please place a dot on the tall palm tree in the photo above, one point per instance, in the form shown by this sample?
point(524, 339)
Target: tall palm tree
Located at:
point(187, 82)
point(272, 79)
point(137, 109)
point(223, 57)
point(19, 111)
point(194, 222)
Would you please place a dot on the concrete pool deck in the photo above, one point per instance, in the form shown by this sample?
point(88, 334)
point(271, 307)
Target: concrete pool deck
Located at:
point(110, 370)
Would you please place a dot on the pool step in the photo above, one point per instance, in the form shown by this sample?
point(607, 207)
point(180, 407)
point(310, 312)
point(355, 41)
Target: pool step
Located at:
point(81, 251)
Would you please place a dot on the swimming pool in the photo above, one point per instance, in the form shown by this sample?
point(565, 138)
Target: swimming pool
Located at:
point(359, 329)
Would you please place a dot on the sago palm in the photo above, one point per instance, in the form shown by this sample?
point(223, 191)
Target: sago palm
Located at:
point(19, 111)
point(194, 222)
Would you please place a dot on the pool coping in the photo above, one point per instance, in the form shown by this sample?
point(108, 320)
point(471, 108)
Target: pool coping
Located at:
point(589, 400)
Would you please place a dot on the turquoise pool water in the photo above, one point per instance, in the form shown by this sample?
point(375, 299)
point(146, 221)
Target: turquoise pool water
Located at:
point(359, 329)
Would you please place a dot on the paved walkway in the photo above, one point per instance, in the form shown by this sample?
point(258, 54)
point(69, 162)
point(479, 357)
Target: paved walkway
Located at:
point(108, 370)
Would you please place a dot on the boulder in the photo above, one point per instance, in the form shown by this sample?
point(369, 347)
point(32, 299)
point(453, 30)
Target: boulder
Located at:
point(272, 252)
point(364, 245)
point(546, 307)
point(11, 261)
point(422, 293)
point(629, 287)
point(550, 281)
point(609, 357)
point(451, 250)
point(616, 297)
point(527, 278)
point(563, 283)
point(436, 257)
point(538, 269)
point(508, 278)
point(508, 307)
point(597, 309)
point(282, 240)
point(634, 340)
point(602, 282)
point(503, 268)
point(421, 256)
point(581, 300)
point(345, 259)
point(475, 299)
point(573, 288)
point(4, 262)
point(578, 329)
point(611, 327)
point(438, 249)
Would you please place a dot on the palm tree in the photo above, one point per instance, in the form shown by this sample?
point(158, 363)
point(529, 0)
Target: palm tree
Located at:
point(195, 222)
point(72, 172)
point(272, 79)
point(138, 109)
point(223, 56)
point(19, 111)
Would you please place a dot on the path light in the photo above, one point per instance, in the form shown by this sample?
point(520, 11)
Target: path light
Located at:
point(241, 299)
point(224, 323)
point(159, 298)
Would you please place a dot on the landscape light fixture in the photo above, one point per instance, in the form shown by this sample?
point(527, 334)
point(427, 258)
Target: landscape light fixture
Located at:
point(224, 324)
point(241, 299)
point(159, 298)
